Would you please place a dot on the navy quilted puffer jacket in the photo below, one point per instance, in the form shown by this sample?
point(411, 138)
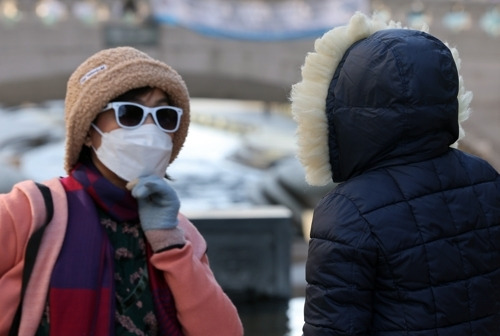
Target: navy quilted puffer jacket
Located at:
point(409, 242)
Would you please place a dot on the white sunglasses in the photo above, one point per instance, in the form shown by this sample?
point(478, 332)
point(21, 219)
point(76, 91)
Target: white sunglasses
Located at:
point(132, 115)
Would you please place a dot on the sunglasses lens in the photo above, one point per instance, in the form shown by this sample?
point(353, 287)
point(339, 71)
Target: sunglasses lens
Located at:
point(167, 118)
point(130, 115)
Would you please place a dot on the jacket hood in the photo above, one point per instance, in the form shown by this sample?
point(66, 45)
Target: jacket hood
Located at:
point(375, 94)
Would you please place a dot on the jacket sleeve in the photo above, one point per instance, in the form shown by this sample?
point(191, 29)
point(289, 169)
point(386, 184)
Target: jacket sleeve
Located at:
point(340, 271)
point(202, 306)
point(17, 221)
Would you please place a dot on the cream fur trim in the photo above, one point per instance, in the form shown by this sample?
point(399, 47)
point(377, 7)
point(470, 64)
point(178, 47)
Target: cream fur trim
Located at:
point(308, 97)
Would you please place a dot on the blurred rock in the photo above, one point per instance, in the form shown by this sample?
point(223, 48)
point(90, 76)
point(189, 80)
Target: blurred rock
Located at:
point(8, 177)
point(285, 184)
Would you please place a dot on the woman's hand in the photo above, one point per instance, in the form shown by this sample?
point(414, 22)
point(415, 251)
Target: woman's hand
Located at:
point(158, 209)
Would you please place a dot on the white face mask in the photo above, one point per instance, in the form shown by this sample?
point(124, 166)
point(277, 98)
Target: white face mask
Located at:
point(134, 153)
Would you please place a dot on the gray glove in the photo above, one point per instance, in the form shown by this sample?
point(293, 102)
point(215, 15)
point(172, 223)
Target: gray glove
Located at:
point(158, 203)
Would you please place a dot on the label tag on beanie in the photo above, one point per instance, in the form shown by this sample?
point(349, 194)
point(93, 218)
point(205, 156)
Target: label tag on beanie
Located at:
point(92, 72)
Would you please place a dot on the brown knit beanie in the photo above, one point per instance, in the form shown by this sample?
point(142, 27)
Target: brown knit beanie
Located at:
point(109, 74)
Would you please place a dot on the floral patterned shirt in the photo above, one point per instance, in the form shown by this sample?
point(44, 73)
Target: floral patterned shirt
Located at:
point(134, 303)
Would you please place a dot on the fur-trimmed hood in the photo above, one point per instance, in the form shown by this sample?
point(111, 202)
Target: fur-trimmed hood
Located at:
point(375, 94)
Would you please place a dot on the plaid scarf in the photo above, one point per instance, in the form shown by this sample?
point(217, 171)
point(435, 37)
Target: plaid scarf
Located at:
point(82, 298)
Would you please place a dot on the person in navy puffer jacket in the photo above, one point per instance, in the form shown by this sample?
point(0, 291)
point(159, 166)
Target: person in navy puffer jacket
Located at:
point(408, 242)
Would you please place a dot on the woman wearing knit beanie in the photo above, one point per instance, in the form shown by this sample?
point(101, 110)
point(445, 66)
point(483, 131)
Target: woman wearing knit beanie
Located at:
point(408, 242)
point(104, 250)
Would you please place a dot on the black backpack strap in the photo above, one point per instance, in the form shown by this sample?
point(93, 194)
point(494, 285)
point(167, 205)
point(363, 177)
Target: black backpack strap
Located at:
point(31, 253)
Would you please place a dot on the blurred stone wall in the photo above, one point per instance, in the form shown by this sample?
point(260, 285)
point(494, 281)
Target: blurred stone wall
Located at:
point(36, 60)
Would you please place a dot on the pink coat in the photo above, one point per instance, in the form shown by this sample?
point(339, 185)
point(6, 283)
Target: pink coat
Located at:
point(202, 312)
